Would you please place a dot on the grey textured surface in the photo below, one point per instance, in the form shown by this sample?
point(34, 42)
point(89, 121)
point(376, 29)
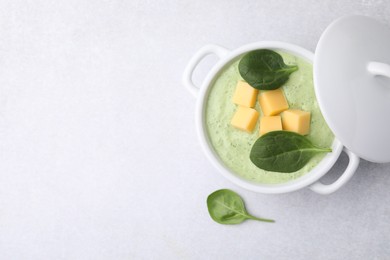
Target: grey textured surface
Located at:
point(98, 154)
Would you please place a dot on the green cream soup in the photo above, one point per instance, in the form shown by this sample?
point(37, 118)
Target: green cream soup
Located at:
point(233, 146)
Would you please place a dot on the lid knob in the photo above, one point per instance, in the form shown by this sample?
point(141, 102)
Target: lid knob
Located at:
point(379, 68)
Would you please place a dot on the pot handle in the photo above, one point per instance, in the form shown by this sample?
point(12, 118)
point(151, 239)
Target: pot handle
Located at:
point(344, 178)
point(195, 60)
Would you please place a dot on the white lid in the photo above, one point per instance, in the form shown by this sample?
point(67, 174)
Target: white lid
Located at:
point(352, 84)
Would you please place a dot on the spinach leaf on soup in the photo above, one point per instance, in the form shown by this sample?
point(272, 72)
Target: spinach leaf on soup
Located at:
point(265, 69)
point(283, 151)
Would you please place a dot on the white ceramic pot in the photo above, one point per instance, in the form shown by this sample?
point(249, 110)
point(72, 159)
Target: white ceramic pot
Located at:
point(311, 178)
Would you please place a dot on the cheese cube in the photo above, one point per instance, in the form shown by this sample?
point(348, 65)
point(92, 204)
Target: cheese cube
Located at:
point(245, 118)
point(296, 121)
point(270, 123)
point(272, 102)
point(245, 95)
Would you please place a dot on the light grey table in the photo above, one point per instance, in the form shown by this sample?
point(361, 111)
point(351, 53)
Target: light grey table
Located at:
point(99, 157)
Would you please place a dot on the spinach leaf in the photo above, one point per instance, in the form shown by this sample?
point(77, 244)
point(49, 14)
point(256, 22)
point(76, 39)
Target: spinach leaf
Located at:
point(265, 69)
point(227, 207)
point(283, 151)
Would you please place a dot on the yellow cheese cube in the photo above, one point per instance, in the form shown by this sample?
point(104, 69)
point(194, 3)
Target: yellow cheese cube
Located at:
point(245, 118)
point(270, 123)
point(245, 95)
point(296, 121)
point(272, 102)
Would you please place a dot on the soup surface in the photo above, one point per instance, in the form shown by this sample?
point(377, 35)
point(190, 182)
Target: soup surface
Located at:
point(233, 146)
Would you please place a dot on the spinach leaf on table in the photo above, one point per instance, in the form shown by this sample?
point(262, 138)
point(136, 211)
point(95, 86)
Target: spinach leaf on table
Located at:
point(227, 207)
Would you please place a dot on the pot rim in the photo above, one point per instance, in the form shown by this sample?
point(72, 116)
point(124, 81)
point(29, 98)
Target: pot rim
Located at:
point(309, 178)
